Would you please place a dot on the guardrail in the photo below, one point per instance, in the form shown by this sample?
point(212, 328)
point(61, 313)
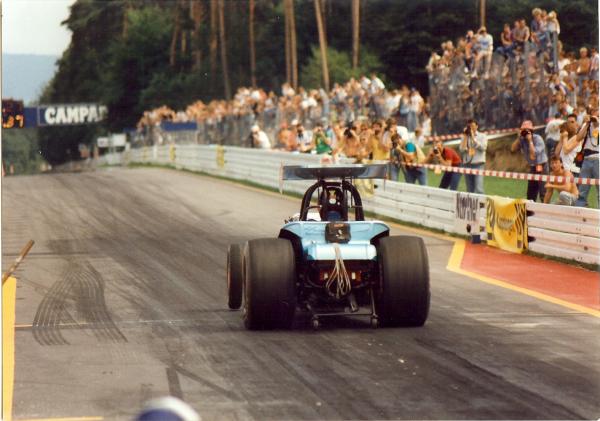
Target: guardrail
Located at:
point(561, 231)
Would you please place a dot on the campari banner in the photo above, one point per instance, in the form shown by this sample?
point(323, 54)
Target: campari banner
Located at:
point(70, 114)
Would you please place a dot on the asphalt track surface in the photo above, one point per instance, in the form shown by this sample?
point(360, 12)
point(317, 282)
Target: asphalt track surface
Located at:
point(123, 299)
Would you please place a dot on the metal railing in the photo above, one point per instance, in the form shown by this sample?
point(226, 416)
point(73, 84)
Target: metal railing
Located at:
point(515, 89)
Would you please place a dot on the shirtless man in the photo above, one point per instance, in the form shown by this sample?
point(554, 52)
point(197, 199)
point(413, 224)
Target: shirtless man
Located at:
point(568, 191)
point(351, 146)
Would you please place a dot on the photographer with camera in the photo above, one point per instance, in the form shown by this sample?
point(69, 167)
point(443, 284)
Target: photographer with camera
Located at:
point(396, 158)
point(303, 139)
point(412, 154)
point(472, 147)
point(534, 151)
point(259, 138)
point(442, 155)
point(351, 146)
point(320, 142)
point(588, 138)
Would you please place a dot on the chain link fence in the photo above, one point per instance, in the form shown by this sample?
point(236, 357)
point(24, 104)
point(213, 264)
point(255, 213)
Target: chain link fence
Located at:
point(516, 88)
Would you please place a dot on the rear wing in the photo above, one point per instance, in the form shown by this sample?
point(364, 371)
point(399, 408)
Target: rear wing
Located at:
point(322, 172)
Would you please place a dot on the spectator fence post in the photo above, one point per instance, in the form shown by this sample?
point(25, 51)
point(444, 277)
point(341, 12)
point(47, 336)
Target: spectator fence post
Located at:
point(555, 52)
point(526, 67)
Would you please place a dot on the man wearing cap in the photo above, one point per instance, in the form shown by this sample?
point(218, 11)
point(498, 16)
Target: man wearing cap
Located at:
point(534, 151)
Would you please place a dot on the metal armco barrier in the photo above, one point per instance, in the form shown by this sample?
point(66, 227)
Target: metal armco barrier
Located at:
point(564, 231)
point(561, 231)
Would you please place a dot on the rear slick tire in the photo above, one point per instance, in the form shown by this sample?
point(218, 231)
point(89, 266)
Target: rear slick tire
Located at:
point(269, 284)
point(404, 294)
point(235, 277)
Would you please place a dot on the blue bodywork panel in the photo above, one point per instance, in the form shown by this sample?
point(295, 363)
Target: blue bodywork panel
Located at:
point(315, 247)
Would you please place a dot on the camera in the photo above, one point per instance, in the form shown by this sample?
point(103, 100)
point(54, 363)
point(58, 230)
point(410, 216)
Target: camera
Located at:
point(436, 151)
point(467, 131)
point(525, 132)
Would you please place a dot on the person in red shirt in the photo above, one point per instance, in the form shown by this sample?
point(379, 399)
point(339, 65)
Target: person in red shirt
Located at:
point(442, 155)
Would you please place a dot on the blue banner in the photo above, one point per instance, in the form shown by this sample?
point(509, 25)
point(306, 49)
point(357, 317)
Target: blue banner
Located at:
point(170, 126)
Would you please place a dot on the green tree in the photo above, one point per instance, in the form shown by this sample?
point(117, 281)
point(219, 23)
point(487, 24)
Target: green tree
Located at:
point(134, 63)
point(119, 51)
point(21, 150)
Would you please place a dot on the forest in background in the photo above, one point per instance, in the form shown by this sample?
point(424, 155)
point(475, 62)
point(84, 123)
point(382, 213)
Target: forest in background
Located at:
point(134, 55)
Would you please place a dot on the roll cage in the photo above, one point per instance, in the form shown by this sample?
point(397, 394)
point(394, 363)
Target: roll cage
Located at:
point(350, 199)
point(343, 185)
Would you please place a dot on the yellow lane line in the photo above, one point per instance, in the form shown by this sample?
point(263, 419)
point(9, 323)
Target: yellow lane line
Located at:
point(454, 266)
point(9, 291)
point(66, 419)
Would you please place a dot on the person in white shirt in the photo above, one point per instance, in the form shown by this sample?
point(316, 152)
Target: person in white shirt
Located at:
point(376, 84)
point(419, 139)
point(594, 66)
point(485, 48)
point(553, 133)
point(365, 83)
point(414, 109)
point(426, 123)
point(259, 138)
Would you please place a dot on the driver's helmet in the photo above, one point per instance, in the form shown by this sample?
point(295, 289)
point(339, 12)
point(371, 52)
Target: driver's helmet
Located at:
point(331, 204)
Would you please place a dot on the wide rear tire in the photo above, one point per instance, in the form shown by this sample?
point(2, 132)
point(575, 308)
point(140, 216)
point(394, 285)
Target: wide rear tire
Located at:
point(269, 284)
point(403, 297)
point(235, 276)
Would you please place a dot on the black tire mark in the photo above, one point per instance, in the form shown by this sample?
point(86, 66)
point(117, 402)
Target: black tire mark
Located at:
point(192, 376)
point(45, 331)
point(174, 384)
point(108, 330)
point(82, 287)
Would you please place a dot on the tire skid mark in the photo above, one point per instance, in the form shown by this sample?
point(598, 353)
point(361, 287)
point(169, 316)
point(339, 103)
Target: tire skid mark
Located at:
point(82, 289)
point(198, 379)
point(349, 401)
point(45, 329)
point(174, 383)
point(470, 371)
point(107, 330)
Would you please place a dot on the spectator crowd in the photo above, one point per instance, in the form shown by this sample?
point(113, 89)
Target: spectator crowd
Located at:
point(527, 75)
point(528, 79)
point(362, 98)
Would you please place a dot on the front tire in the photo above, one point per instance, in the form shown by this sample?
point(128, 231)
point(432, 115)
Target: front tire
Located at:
point(404, 295)
point(235, 276)
point(269, 284)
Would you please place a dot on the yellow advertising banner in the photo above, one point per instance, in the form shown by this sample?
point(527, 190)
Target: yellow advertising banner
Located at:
point(506, 223)
point(172, 153)
point(220, 156)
